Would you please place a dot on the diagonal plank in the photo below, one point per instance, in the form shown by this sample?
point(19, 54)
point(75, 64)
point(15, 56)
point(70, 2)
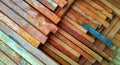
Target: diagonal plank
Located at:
point(18, 29)
point(20, 50)
point(37, 53)
point(24, 24)
point(5, 59)
point(61, 3)
point(46, 12)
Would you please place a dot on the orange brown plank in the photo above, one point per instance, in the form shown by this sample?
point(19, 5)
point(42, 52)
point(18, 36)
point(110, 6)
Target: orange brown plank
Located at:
point(61, 3)
point(46, 12)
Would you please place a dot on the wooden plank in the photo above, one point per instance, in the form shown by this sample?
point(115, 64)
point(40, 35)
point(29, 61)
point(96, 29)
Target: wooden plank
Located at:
point(100, 20)
point(82, 60)
point(117, 36)
point(18, 29)
point(63, 50)
point(114, 30)
point(29, 18)
point(113, 23)
point(109, 15)
point(116, 4)
point(98, 35)
point(24, 24)
point(104, 62)
point(63, 10)
point(87, 43)
point(103, 6)
point(96, 23)
point(46, 12)
point(18, 49)
point(78, 31)
point(79, 44)
point(66, 58)
point(115, 9)
point(37, 53)
point(64, 45)
point(49, 3)
point(12, 55)
point(87, 5)
point(53, 55)
point(72, 45)
point(61, 3)
point(88, 63)
point(5, 59)
point(43, 24)
point(75, 24)
point(116, 42)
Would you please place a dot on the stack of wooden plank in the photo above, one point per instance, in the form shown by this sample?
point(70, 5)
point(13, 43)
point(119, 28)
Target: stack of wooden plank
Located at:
point(84, 32)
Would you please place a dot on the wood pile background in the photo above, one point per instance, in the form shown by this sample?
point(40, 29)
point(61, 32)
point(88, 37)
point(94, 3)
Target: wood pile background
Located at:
point(59, 32)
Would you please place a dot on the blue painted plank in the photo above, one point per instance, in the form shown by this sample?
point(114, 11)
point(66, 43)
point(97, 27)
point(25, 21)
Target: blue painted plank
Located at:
point(98, 35)
point(36, 52)
point(20, 50)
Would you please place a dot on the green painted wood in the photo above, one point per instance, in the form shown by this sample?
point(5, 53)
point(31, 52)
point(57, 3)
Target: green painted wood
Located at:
point(37, 53)
point(20, 50)
point(5, 59)
point(12, 55)
point(1, 63)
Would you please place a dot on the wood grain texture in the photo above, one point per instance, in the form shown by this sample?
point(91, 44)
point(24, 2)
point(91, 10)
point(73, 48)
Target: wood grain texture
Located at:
point(53, 55)
point(103, 6)
point(78, 43)
point(12, 55)
point(61, 3)
point(64, 10)
point(63, 44)
point(94, 10)
point(18, 49)
point(56, 51)
point(62, 49)
point(18, 29)
point(96, 23)
point(75, 47)
point(115, 9)
point(24, 24)
point(116, 42)
point(46, 12)
point(37, 53)
point(100, 20)
point(5, 59)
point(75, 24)
point(49, 3)
point(42, 23)
point(109, 15)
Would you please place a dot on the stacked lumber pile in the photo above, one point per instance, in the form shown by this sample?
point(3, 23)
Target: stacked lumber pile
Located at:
point(59, 32)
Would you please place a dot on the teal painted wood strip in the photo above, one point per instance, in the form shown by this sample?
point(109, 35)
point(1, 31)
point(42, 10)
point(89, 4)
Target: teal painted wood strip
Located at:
point(98, 35)
point(20, 50)
point(12, 55)
point(1, 63)
point(5, 59)
point(38, 53)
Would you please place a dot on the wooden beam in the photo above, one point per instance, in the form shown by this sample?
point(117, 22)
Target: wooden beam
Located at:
point(5, 59)
point(18, 49)
point(46, 12)
point(18, 29)
point(36, 52)
point(66, 58)
point(53, 55)
point(109, 15)
point(116, 42)
point(49, 3)
point(24, 24)
point(1, 63)
point(42, 23)
point(100, 20)
point(61, 3)
point(115, 9)
point(11, 54)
